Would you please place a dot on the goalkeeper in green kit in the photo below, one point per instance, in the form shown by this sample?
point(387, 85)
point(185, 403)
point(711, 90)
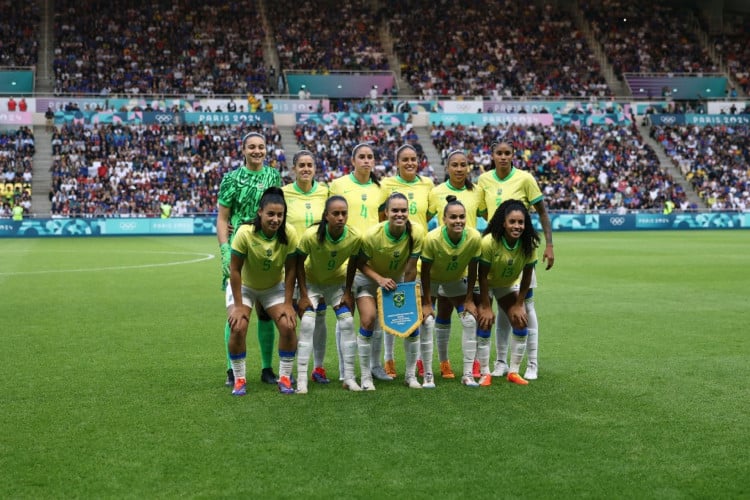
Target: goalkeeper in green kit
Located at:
point(239, 196)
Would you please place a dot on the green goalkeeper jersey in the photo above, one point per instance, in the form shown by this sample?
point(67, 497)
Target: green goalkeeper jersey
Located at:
point(241, 190)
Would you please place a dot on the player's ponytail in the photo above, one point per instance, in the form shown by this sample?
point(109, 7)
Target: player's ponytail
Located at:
point(452, 201)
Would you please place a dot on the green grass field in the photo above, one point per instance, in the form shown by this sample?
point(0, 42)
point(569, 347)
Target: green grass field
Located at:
point(113, 366)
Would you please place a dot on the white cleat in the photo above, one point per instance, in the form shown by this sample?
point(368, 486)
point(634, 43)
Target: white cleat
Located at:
point(412, 382)
point(530, 373)
point(367, 385)
point(501, 369)
point(469, 381)
point(301, 388)
point(351, 385)
point(429, 381)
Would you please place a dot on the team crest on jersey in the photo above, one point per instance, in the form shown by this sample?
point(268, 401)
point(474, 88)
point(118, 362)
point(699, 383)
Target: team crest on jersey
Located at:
point(411, 196)
point(333, 254)
point(510, 262)
point(268, 252)
point(454, 258)
point(396, 255)
point(364, 197)
point(499, 191)
point(308, 206)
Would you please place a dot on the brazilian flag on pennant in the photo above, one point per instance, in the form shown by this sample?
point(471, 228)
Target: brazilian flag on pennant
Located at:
point(400, 310)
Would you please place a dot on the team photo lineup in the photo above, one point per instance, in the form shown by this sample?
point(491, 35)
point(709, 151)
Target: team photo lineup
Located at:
point(291, 252)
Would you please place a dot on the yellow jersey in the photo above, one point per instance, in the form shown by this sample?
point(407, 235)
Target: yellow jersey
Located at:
point(388, 255)
point(264, 257)
point(304, 209)
point(470, 200)
point(450, 260)
point(506, 263)
point(518, 185)
point(363, 201)
point(326, 262)
point(417, 193)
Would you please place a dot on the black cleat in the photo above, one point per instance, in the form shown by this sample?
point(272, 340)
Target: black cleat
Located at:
point(230, 378)
point(267, 376)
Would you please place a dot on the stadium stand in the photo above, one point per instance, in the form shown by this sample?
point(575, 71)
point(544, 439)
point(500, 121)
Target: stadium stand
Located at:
point(505, 48)
point(715, 160)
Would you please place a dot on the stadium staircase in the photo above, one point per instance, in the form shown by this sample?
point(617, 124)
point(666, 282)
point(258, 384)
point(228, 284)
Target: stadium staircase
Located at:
point(666, 163)
point(617, 86)
point(431, 152)
point(42, 179)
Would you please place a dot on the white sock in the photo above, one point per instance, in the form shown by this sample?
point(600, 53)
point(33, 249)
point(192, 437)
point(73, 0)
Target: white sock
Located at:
point(348, 348)
point(483, 355)
point(411, 348)
point(442, 337)
point(425, 344)
point(532, 342)
point(469, 342)
point(339, 347)
point(320, 337)
point(376, 345)
point(389, 343)
point(286, 363)
point(502, 334)
point(304, 344)
point(517, 350)
point(238, 367)
point(364, 347)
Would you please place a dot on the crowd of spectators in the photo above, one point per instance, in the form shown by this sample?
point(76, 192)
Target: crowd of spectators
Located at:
point(500, 49)
point(735, 49)
point(19, 33)
point(118, 170)
point(332, 145)
point(714, 159)
point(600, 168)
point(190, 47)
point(642, 36)
point(17, 149)
point(325, 36)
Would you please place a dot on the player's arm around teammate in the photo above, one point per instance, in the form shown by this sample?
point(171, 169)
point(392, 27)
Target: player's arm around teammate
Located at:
point(508, 253)
point(262, 271)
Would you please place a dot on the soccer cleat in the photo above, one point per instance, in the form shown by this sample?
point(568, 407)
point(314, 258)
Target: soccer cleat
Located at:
point(516, 379)
point(475, 369)
point(412, 383)
point(285, 385)
point(530, 373)
point(319, 375)
point(267, 376)
point(445, 369)
point(380, 374)
point(302, 386)
point(239, 387)
point(390, 369)
point(230, 378)
point(429, 381)
point(469, 381)
point(485, 380)
point(501, 369)
point(420, 368)
point(351, 385)
point(367, 384)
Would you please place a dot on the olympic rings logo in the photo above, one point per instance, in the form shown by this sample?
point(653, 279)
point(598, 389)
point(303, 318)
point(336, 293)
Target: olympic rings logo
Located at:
point(668, 120)
point(617, 221)
point(163, 118)
point(127, 226)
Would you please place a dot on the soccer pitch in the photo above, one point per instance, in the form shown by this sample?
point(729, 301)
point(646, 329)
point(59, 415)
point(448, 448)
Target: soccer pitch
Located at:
point(113, 367)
